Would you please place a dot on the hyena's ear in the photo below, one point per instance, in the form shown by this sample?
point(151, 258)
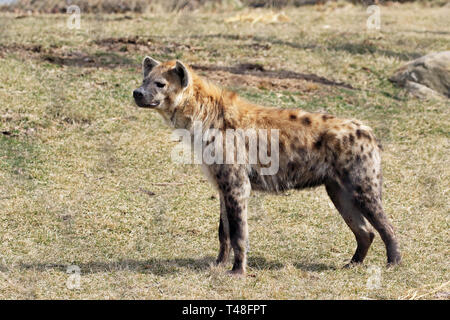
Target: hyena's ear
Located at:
point(148, 64)
point(183, 73)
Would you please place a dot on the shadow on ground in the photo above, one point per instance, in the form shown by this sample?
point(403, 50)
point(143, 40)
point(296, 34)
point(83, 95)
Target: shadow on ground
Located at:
point(313, 266)
point(164, 266)
point(350, 47)
point(82, 60)
point(259, 71)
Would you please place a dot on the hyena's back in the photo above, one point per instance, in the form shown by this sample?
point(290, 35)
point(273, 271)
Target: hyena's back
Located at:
point(316, 148)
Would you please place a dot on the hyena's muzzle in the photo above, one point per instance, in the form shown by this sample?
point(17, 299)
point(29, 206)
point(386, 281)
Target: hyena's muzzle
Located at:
point(144, 99)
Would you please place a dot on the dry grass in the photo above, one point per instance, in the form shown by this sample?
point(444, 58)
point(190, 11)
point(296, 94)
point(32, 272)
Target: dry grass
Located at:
point(86, 6)
point(79, 163)
point(122, 6)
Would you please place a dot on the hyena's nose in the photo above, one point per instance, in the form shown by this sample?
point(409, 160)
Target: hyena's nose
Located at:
point(137, 94)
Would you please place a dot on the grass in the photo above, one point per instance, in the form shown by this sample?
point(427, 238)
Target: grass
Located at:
point(79, 163)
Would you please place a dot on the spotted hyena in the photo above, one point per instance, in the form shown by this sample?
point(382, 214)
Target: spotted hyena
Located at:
point(314, 149)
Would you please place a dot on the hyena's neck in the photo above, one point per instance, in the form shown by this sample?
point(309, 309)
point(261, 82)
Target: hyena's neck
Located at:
point(206, 103)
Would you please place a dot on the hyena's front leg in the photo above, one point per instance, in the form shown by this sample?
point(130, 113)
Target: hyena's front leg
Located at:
point(237, 220)
point(224, 233)
point(235, 187)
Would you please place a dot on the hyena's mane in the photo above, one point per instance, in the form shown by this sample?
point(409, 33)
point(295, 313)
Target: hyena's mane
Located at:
point(214, 106)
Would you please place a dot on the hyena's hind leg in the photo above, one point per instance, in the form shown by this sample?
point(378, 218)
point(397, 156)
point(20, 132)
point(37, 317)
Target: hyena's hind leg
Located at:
point(362, 181)
point(224, 234)
point(361, 228)
point(369, 202)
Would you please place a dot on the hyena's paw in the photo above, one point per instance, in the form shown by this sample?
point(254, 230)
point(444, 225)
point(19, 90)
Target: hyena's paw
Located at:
point(396, 261)
point(238, 273)
point(221, 260)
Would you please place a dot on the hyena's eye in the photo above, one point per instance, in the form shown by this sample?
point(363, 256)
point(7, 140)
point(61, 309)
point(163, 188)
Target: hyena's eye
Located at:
point(160, 84)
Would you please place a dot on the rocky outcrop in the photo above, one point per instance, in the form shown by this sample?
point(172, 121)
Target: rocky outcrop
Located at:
point(427, 76)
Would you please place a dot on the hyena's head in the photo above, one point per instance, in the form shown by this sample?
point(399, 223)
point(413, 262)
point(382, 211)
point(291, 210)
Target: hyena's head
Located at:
point(163, 85)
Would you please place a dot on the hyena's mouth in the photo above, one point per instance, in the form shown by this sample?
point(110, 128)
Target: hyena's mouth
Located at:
point(152, 104)
point(148, 105)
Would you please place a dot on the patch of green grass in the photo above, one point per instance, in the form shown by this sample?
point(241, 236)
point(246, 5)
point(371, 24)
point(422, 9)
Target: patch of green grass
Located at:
point(20, 159)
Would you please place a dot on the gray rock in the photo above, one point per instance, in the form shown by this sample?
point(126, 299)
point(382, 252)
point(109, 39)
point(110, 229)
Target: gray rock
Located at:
point(427, 76)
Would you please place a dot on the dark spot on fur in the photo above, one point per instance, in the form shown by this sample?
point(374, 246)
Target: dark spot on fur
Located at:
point(358, 134)
point(293, 116)
point(345, 142)
point(293, 146)
point(231, 202)
point(325, 117)
point(224, 187)
point(319, 142)
point(337, 146)
point(292, 167)
point(361, 133)
point(335, 158)
point(379, 145)
point(306, 121)
point(301, 151)
point(345, 177)
point(351, 139)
